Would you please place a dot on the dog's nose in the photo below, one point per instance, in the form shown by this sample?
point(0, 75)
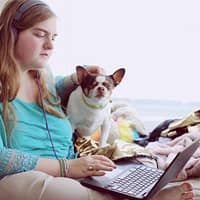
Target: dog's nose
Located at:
point(100, 89)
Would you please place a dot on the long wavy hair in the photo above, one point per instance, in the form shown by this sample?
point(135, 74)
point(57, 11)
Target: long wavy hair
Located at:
point(9, 69)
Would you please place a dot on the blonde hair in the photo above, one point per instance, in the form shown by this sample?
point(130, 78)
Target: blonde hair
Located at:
point(9, 69)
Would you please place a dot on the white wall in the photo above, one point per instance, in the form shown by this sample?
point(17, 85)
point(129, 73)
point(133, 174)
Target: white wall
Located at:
point(2, 3)
point(157, 41)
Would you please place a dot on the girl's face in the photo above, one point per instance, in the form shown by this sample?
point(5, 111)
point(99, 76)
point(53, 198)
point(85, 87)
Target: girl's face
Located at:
point(35, 45)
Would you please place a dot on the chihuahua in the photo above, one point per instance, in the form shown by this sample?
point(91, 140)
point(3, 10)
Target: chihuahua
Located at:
point(89, 105)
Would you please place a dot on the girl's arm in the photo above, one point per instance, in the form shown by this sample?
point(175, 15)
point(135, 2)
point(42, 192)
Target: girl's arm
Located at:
point(64, 86)
point(14, 161)
point(77, 168)
point(49, 166)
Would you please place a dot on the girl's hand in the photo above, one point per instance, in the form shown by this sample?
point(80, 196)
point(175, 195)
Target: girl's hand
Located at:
point(94, 165)
point(95, 69)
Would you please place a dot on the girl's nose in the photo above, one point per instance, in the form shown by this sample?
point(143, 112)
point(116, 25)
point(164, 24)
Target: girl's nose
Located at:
point(48, 44)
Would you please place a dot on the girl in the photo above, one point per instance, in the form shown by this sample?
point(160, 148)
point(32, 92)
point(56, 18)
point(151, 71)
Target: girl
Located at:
point(37, 158)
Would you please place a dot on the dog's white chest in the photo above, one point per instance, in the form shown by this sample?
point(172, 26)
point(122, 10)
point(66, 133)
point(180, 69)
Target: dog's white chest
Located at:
point(87, 119)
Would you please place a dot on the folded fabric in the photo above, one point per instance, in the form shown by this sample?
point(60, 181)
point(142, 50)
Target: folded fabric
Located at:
point(166, 151)
point(118, 150)
point(178, 127)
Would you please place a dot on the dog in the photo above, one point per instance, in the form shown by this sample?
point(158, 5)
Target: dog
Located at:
point(89, 105)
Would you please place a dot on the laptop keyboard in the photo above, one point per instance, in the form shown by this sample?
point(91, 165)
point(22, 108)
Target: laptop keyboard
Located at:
point(135, 180)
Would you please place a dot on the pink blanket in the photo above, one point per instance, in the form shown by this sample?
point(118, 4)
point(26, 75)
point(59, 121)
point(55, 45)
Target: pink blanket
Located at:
point(168, 150)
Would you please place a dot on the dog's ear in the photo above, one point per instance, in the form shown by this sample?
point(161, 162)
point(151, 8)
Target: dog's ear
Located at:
point(81, 73)
point(118, 75)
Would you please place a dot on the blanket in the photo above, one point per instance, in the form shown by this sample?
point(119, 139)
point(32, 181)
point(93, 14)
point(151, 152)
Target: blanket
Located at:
point(166, 151)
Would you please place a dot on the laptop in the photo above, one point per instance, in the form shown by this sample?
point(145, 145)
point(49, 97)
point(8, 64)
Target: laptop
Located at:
point(133, 180)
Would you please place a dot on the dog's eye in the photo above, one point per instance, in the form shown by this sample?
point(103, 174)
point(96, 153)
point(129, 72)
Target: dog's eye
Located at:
point(94, 84)
point(107, 85)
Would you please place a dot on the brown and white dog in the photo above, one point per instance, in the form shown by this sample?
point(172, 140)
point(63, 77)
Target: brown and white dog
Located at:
point(89, 106)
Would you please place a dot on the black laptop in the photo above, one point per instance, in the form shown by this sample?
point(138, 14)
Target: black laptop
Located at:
point(133, 180)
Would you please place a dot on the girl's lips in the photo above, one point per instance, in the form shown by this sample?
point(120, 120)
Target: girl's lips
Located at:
point(44, 54)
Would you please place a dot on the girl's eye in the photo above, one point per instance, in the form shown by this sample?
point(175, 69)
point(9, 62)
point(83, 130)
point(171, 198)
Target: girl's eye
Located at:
point(40, 34)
